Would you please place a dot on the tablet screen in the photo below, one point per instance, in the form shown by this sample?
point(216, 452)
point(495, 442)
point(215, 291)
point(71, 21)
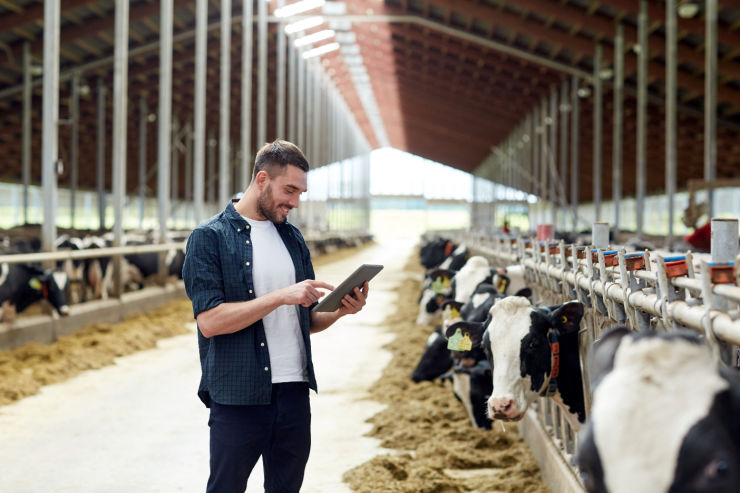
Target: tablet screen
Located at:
point(333, 300)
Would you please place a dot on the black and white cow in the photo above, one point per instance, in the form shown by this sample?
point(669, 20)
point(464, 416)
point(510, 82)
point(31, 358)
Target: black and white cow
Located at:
point(472, 386)
point(435, 251)
point(435, 360)
point(664, 417)
point(456, 259)
point(436, 289)
point(532, 352)
point(510, 281)
point(22, 285)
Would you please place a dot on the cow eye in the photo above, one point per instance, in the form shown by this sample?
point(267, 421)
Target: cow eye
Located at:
point(716, 469)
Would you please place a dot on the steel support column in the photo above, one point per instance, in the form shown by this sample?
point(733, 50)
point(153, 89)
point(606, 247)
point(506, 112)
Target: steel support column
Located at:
point(27, 107)
point(143, 116)
point(262, 41)
point(671, 95)
point(563, 168)
point(642, 82)
point(280, 85)
point(552, 159)
point(224, 167)
point(574, 150)
point(100, 140)
point(164, 117)
point(292, 90)
point(710, 100)
point(246, 117)
point(597, 136)
point(617, 124)
point(199, 110)
point(74, 138)
point(120, 127)
point(50, 112)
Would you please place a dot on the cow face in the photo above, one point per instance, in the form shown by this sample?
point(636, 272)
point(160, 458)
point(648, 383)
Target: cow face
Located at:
point(435, 360)
point(438, 289)
point(472, 386)
point(511, 282)
point(663, 419)
point(516, 340)
point(475, 271)
point(56, 286)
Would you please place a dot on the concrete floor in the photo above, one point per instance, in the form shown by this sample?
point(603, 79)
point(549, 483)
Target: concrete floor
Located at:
point(138, 425)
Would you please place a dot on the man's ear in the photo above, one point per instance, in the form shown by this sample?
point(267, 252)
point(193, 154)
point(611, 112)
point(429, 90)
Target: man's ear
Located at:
point(262, 178)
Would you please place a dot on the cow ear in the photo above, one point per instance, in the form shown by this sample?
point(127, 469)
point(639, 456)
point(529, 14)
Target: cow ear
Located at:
point(474, 330)
point(524, 292)
point(567, 317)
point(601, 357)
point(501, 281)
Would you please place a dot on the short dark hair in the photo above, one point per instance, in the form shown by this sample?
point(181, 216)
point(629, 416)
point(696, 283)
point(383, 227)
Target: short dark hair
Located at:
point(274, 156)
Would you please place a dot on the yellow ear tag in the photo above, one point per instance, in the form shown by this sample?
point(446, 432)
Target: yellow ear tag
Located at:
point(465, 343)
point(35, 284)
point(454, 313)
point(454, 341)
point(446, 282)
point(564, 319)
point(501, 286)
point(437, 285)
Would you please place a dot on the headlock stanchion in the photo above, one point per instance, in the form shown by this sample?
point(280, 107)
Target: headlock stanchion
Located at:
point(642, 290)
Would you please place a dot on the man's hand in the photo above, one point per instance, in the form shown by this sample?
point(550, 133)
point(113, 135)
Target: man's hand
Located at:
point(353, 304)
point(305, 293)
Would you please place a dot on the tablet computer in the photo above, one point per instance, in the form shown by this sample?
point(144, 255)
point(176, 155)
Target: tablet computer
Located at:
point(333, 300)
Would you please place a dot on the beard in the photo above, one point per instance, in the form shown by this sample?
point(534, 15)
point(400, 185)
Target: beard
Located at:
point(267, 208)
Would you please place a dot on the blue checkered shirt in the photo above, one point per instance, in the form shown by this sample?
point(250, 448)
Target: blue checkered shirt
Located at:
point(235, 368)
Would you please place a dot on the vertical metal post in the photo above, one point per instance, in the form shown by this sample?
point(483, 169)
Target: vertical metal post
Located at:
point(199, 110)
point(563, 168)
point(597, 134)
point(174, 164)
point(225, 87)
point(211, 172)
point(27, 106)
point(316, 112)
point(574, 150)
point(164, 117)
point(280, 86)
point(143, 114)
point(74, 114)
point(600, 235)
point(536, 143)
point(101, 154)
point(552, 155)
point(262, 41)
point(710, 100)
point(188, 195)
point(617, 126)
point(292, 90)
point(120, 127)
point(246, 134)
point(642, 58)
point(671, 95)
point(50, 112)
point(301, 101)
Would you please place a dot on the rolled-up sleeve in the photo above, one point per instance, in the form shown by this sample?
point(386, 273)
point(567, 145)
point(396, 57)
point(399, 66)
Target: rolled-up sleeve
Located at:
point(202, 272)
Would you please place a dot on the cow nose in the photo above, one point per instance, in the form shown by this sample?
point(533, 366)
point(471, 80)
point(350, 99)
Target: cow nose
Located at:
point(502, 405)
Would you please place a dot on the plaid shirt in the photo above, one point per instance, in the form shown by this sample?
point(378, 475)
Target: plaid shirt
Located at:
point(235, 368)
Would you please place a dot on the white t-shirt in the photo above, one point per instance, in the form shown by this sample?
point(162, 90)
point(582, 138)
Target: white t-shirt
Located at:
point(272, 268)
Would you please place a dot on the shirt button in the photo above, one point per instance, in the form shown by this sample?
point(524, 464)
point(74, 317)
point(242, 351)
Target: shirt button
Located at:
point(266, 369)
point(262, 344)
point(247, 264)
point(247, 226)
point(247, 242)
point(250, 291)
point(238, 230)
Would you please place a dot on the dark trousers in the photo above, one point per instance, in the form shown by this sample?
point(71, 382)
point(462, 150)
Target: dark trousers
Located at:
point(280, 432)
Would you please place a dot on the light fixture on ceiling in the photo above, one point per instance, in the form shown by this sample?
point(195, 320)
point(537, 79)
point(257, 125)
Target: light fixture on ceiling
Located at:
point(298, 7)
point(313, 38)
point(304, 24)
point(606, 73)
point(321, 50)
point(583, 92)
point(688, 9)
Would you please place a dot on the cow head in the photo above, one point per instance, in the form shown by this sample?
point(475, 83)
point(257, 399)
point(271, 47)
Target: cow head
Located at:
point(516, 340)
point(510, 281)
point(53, 286)
point(435, 360)
point(438, 288)
point(676, 412)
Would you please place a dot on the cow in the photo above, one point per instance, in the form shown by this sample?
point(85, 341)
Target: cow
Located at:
point(436, 359)
point(456, 259)
point(22, 285)
point(437, 288)
point(435, 251)
point(664, 416)
point(532, 352)
point(510, 281)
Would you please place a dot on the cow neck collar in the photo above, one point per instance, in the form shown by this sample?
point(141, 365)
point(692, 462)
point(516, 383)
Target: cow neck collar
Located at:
point(552, 386)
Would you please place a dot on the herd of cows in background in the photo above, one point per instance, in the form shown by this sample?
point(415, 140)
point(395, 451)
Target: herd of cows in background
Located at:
point(76, 281)
point(665, 414)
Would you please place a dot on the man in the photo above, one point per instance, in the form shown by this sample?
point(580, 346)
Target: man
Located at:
point(249, 275)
